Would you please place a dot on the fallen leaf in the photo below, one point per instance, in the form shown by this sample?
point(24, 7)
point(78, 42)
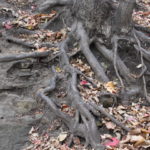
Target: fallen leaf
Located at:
point(126, 139)
point(30, 27)
point(113, 143)
point(35, 135)
point(110, 125)
point(83, 82)
point(145, 131)
point(58, 69)
point(8, 25)
point(42, 49)
point(65, 147)
point(49, 34)
point(64, 106)
point(138, 140)
point(111, 87)
point(76, 141)
point(37, 142)
point(62, 136)
point(31, 130)
point(135, 131)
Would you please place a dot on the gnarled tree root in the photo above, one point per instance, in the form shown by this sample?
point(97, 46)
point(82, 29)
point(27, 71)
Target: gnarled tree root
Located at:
point(86, 129)
point(14, 57)
point(49, 4)
point(108, 54)
point(28, 44)
point(85, 126)
point(97, 68)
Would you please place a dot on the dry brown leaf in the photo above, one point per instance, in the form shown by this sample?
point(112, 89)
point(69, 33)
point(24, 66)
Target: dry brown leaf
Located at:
point(62, 136)
point(138, 140)
point(42, 49)
point(145, 131)
point(135, 131)
point(105, 136)
point(111, 87)
point(76, 140)
point(110, 125)
point(126, 140)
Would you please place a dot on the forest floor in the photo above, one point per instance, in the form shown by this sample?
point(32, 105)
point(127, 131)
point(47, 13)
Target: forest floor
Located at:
point(26, 77)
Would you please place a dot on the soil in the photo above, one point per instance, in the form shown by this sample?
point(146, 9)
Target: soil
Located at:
point(19, 81)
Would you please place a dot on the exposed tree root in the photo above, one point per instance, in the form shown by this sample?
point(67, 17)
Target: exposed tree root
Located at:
point(21, 31)
point(108, 54)
point(143, 67)
point(142, 36)
point(101, 109)
point(87, 127)
point(84, 43)
point(115, 51)
point(92, 137)
point(49, 4)
point(20, 42)
point(28, 44)
point(14, 57)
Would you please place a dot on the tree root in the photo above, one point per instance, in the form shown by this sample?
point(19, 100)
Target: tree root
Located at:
point(50, 4)
point(123, 70)
point(142, 36)
point(86, 126)
point(101, 109)
point(21, 31)
point(14, 57)
point(143, 67)
point(108, 54)
point(146, 54)
point(32, 45)
point(20, 42)
point(84, 44)
point(80, 129)
point(115, 49)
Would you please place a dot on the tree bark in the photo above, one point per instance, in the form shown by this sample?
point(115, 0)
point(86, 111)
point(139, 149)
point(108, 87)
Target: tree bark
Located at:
point(122, 21)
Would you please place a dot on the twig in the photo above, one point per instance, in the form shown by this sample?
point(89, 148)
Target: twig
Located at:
point(143, 64)
point(115, 49)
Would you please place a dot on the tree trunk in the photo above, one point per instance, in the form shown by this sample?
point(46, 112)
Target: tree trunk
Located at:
point(93, 14)
point(122, 21)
